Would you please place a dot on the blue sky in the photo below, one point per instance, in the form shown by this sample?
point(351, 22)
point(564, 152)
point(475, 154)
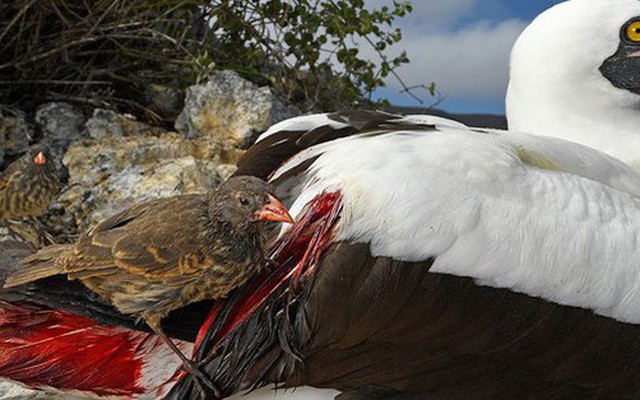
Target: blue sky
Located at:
point(463, 46)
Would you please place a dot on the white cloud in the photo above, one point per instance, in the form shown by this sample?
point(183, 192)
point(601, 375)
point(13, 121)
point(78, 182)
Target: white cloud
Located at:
point(472, 61)
point(463, 61)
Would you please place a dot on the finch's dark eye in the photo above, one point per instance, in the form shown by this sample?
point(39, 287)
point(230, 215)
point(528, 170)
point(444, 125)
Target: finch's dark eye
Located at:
point(244, 201)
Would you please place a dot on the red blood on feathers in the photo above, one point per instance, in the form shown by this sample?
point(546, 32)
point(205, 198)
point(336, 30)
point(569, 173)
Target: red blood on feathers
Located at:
point(41, 347)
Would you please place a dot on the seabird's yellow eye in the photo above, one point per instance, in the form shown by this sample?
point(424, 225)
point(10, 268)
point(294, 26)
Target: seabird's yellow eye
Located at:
point(633, 31)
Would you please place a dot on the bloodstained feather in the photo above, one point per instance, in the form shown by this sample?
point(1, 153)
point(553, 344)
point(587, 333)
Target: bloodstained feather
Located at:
point(41, 347)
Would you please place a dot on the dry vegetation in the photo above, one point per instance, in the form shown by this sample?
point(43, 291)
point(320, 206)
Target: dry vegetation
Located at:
point(108, 53)
point(94, 52)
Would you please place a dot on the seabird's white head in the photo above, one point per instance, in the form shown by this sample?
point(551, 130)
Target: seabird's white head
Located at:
point(575, 74)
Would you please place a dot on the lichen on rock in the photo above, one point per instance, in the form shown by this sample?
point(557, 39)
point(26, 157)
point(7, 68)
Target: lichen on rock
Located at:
point(229, 108)
point(110, 174)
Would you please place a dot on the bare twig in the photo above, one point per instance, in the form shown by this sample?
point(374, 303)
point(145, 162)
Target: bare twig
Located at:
point(433, 92)
point(49, 53)
point(440, 98)
point(384, 58)
point(60, 15)
point(16, 17)
point(78, 99)
point(96, 25)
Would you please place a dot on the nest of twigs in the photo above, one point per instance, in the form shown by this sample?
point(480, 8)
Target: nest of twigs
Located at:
point(102, 53)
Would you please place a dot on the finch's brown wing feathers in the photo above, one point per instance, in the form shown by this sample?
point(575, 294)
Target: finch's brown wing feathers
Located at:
point(94, 253)
point(160, 247)
point(122, 219)
point(147, 240)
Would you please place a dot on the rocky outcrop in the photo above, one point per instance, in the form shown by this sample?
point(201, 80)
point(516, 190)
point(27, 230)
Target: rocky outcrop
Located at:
point(114, 160)
point(108, 175)
point(107, 123)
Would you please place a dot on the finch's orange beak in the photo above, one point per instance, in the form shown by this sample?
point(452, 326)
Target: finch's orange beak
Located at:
point(40, 159)
point(274, 210)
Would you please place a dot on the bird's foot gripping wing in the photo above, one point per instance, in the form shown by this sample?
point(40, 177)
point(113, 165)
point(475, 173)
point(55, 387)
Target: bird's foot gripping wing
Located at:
point(238, 344)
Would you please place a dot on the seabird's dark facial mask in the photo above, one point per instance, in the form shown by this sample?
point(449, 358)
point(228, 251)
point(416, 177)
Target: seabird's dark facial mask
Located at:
point(623, 68)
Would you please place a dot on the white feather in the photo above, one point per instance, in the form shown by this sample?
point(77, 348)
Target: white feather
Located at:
point(424, 119)
point(301, 123)
point(154, 353)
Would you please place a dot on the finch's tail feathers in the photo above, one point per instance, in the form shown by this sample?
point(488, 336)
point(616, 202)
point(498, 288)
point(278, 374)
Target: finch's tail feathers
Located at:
point(37, 266)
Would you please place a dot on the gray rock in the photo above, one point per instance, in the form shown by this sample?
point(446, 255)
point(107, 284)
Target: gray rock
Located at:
point(15, 133)
point(230, 109)
point(106, 123)
point(61, 123)
point(137, 184)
